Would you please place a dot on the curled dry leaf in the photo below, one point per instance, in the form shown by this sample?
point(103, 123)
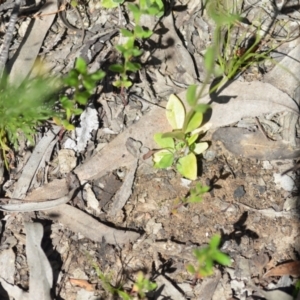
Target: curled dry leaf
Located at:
point(290, 268)
point(82, 283)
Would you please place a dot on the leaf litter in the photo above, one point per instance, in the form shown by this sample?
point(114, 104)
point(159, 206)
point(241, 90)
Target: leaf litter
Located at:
point(145, 197)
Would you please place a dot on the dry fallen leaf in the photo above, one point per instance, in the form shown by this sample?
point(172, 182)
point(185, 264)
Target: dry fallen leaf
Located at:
point(290, 268)
point(240, 141)
point(82, 283)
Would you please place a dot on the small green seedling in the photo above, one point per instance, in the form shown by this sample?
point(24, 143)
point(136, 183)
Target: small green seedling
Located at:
point(143, 285)
point(180, 147)
point(129, 50)
point(140, 287)
point(195, 196)
point(84, 85)
point(206, 258)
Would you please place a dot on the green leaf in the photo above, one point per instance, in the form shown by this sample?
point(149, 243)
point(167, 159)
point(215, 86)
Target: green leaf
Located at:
point(191, 96)
point(209, 59)
point(160, 4)
point(175, 112)
point(192, 139)
point(200, 147)
point(99, 75)
point(154, 11)
point(121, 48)
point(66, 102)
point(74, 3)
point(201, 108)
point(187, 166)
point(138, 30)
point(67, 125)
point(89, 84)
point(82, 97)
point(163, 142)
point(215, 241)
point(135, 11)
point(142, 33)
point(118, 68)
point(77, 111)
point(194, 121)
point(126, 83)
point(124, 295)
point(147, 33)
point(126, 33)
point(80, 65)
point(109, 3)
point(194, 199)
point(163, 159)
point(133, 67)
point(179, 135)
point(222, 259)
point(117, 83)
point(72, 78)
point(136, 52)
point(191, 269)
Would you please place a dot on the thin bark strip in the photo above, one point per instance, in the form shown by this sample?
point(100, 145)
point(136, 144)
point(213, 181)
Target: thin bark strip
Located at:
point(8, 36)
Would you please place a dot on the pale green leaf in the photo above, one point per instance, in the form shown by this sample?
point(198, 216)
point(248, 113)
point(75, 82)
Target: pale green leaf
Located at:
point(209, 59)
point(163, 159)
point(191, 96)
point(80, 65)
point(222, 259)
point(126, 32)
point(109, 3)
point(124, 295)
point(201, 108)
point(187, 166)
point(200, 147)
point(215, 241)
point(179, 135)
point(164, 142)
point(194, 122)
point(175, 112)
point(192, 139)
point(191, 269)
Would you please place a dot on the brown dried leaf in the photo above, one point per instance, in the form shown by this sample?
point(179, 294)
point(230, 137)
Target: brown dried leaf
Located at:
point(82, 283)
point(290, 268)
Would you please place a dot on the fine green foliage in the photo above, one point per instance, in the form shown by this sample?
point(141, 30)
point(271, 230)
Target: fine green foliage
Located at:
point(180, 147)
point(195, 196)
point(84, 85)
point(232, 59)
point(129, 50)
point(228, 62)
point(233, 50)
point(206, 258)
point(24, 108)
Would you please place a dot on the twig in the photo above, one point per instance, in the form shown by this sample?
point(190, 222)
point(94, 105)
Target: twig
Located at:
point(262, 129)
point(38, 15)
